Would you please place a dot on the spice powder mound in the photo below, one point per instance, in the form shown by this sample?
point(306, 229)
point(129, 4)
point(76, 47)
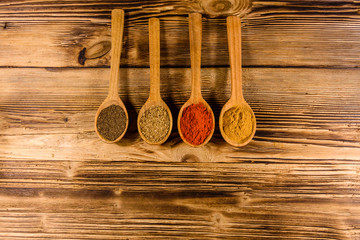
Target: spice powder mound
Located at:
point(196, 123)
point(238, 123)
point(155, 124)
point(111, 122)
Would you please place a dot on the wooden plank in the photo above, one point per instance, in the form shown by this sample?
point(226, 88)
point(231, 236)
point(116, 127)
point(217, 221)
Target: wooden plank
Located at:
point(308, 128)
point(177, 217)
point(145, 216)
point(35, 10)
point(301, 33)
point(56, 99)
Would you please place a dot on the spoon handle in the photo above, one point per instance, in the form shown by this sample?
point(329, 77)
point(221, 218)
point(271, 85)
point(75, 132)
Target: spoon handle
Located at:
point(117, 29)
point(154, 47)
point(234, 43)
point(195, 32)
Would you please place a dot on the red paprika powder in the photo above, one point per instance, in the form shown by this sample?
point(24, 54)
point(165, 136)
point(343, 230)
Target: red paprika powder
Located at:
point(196, 123)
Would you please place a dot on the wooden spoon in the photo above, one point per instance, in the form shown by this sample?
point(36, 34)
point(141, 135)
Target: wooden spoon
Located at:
point(236, 99)
point(195, 32)
point(154, 97)
point(117, 28)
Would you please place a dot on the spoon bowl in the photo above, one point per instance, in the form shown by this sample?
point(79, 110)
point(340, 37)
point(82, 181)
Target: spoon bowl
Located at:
point(243, 115)
point(245, 108)
point(207, 106)
point(117, 29)
point(107, 103)
point(148, 104)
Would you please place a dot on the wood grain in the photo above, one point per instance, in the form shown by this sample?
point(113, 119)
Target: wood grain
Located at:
point(177, 217)
point(30, 10)
point(275, 33)
point(297, 179)
point(308, 133)
point(314, 96)
point(133, 217)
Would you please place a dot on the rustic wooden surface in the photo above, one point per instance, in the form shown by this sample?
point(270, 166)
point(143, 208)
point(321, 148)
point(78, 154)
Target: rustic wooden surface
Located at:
point(299, 177)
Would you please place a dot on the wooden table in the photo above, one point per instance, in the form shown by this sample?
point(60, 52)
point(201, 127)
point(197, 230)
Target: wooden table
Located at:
point(299, 177)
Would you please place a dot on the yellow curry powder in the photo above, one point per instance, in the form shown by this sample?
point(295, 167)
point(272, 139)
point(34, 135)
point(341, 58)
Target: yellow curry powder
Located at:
point(238, 123)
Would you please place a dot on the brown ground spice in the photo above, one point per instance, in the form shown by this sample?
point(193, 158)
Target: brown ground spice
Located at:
point(238, 123)
point(111, 122)
point(155, 124)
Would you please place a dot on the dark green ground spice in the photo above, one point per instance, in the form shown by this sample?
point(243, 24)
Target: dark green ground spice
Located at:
point(155, 124)
point(111, 122)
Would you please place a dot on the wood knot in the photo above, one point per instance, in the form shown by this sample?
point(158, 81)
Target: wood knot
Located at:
point(98, 50)
point(216, 8)
point(43, 224)
point(71, 169)
point(81, 57)
point(186, 154)
point(95, 51)
point(118, 191)
point(218, 220)
point(190, 158)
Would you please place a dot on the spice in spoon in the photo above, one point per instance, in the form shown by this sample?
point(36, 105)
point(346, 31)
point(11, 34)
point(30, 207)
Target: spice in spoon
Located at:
point(238, 123)
point(111, 122)
point(196, 123)
point(155, 124)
